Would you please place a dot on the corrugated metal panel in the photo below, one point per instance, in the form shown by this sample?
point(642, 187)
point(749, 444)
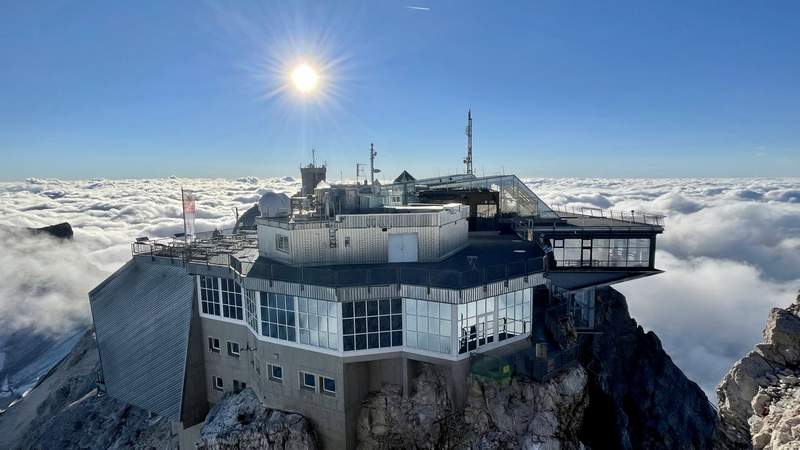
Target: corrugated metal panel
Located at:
point(141, 315)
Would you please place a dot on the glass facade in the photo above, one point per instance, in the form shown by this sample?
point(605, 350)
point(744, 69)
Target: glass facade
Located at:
point(372, 324)
point(630, 252)
point(319, 322)
point(231, 299)
point(209, 296)
point(429, 325)
point(476, 322)
point(251, 299)
point(442, 328)
point(583, 308)
point(513, 314)
point(277, 316)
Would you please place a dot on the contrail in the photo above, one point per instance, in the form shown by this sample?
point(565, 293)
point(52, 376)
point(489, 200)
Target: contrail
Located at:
point(418, 8)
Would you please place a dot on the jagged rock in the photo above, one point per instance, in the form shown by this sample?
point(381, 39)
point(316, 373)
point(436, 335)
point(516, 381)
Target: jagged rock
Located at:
point(102, 422)
point(240, 421)
point(421, 420)
point(63, 411)
point(638, 398)
point(759, 404)
point(515, 414)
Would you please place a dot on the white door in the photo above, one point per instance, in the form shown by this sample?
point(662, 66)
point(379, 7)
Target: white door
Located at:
point(403, 247)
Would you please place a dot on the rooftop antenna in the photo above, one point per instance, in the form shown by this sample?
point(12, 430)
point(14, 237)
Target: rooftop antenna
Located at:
point(372, 154)
point(468, 159)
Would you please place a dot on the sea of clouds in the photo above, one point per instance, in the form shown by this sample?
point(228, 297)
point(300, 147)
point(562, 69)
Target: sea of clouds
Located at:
point(730, 252)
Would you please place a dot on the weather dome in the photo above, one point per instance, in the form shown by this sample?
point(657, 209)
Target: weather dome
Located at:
point(274, 204)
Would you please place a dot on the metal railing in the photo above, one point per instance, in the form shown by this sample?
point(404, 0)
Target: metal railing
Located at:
point(524, 364)
point(632, 216)
point(421, 276)
point(221, 255)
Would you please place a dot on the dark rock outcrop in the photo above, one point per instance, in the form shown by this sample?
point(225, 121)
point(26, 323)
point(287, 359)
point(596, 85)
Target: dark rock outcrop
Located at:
point(759, 398)
point(638, 398)
point(241, 422)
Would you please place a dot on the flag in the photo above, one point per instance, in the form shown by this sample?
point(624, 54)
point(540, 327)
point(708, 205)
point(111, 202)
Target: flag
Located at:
point(188, 214)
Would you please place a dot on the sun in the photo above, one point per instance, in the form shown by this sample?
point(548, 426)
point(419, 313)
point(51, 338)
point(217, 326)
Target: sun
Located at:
point(304, 78)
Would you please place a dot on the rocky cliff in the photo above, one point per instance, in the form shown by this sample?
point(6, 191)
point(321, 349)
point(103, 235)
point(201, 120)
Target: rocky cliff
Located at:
point(240, 422)
point(638, 398)
point(759, 399)
point(499, 414)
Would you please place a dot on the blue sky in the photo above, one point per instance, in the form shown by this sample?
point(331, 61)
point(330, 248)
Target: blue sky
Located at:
point(641, 89)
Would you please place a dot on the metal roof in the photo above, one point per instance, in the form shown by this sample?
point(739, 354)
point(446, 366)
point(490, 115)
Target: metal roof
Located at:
point(141, 316)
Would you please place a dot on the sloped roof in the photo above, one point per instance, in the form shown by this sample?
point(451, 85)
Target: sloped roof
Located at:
point(404, 177)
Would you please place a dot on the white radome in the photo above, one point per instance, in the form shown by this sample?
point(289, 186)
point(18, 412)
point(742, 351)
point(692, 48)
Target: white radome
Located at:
point(274, 204)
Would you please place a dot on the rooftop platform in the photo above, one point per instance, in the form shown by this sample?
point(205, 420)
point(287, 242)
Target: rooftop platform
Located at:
point(488, 257)
point(595, 218)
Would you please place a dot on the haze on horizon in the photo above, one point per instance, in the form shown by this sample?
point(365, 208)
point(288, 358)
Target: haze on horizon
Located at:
point(630, 89)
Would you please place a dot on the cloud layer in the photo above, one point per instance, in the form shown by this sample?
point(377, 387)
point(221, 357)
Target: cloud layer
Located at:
point(731, 249)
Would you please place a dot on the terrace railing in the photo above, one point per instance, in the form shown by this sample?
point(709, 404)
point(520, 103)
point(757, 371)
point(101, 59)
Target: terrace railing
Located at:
point(632, 216)
point(453, 279)
point(524, 364)
point(218, 255)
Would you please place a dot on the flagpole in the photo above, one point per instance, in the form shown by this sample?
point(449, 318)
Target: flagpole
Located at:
point(183, 208)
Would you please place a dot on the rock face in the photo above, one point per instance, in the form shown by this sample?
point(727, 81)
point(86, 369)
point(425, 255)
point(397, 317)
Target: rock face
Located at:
point(388, 420)
point(507, 414)
point(638, 398)
point(516, 414)
point(63, 411)
point(759, 399)
point(240, 421)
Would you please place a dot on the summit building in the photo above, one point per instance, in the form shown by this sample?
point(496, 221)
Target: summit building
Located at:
point(317, 299)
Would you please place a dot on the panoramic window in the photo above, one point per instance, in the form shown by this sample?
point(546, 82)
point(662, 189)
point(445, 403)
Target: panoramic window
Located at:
point(213, 344)
point(282, 242)
point(231, 299)
point(429, 325)
point(602, 252)
point(372, 324)
point(209, 295)
point(233, 349)
point(513, 314)
point(251, 299)
point(318, 321)
point(476, 324)
point(275, 373)
point(277, 316)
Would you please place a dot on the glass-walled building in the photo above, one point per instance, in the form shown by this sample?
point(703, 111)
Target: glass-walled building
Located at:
point(410, 324)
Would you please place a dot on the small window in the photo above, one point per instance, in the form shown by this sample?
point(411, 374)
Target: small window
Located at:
point(282, 243)
point(328, 385)
point(213, 344)
point(308, 380)
point(558, 243)
point(233, 349)
point(587, 243)
point(347, 241)
point(218, 383)
point(275, 373)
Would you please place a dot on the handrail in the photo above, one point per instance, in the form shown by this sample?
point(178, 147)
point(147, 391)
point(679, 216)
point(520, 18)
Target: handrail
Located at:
point(327, 276)
point(631, 216)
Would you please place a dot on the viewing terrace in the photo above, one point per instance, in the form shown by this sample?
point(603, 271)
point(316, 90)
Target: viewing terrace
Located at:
point(487, 258)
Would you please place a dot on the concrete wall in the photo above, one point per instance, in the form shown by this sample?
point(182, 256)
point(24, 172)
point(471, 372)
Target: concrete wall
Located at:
point(326, 412)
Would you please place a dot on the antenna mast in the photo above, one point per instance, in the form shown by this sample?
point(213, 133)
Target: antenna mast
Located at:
point(313, 157)
point(372, 154)
point(468, 159)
